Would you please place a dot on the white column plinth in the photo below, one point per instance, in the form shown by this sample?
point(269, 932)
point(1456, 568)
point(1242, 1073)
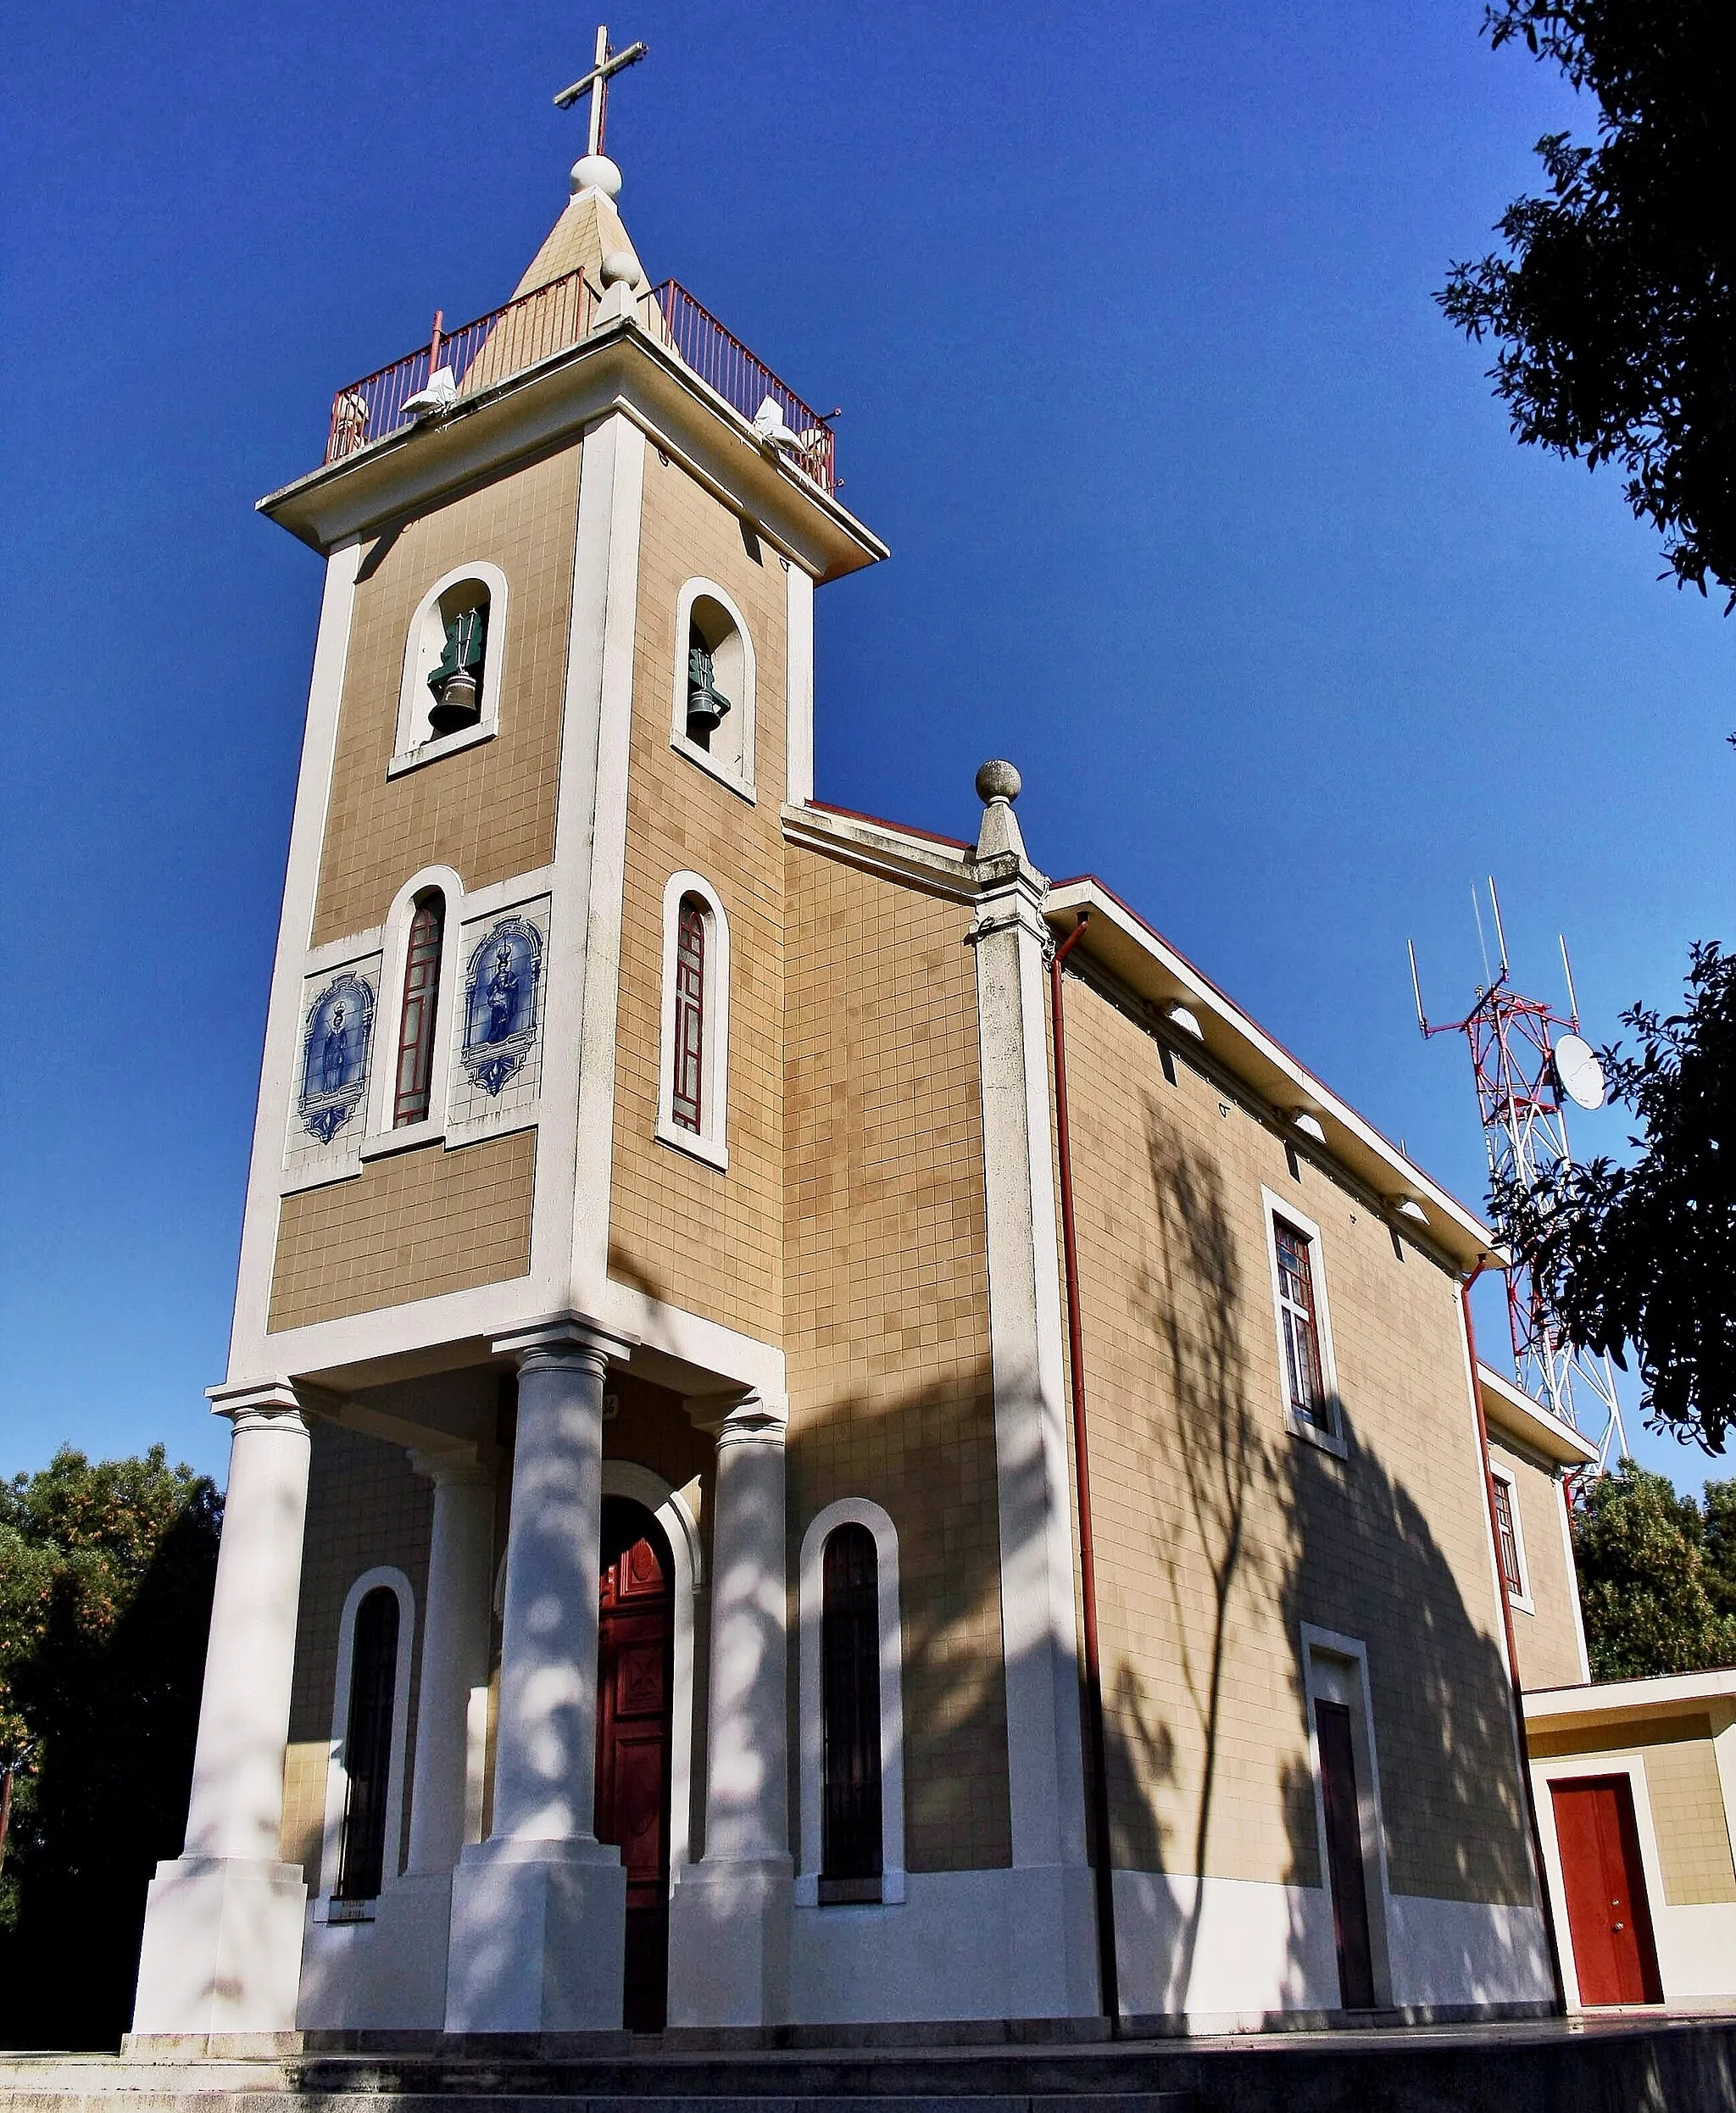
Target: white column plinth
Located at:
point(539, 1910)
point(223, 1922)
point(729, 1924)
point(413, 1917)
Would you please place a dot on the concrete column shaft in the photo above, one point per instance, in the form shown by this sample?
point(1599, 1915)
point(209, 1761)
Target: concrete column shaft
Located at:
point(454, 1654)
point(545, 1764)
point(746, 1797)
point(236, 1805)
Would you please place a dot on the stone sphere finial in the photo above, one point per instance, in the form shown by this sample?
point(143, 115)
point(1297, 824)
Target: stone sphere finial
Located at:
point(997, 781)
point(621, 267)
point(596, 172)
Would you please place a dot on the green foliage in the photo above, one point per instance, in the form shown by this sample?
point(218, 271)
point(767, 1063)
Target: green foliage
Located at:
point(1655, 1584)
point(1613, 307)
point(106, 1571)
point(1645, 1253)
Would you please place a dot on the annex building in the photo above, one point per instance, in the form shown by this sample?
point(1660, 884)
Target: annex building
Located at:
point(691, 1228)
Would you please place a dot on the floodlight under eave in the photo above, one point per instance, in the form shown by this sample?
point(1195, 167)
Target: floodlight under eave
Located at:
point(1409, 1208)
point(1179, 1015)
point(1305, 1121)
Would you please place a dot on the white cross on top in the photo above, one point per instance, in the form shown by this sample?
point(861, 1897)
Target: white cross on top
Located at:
point(596, 84)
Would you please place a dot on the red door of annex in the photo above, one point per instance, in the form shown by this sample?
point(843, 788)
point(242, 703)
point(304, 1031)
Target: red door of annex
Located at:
point(634, 1665)
point(1607, 1915)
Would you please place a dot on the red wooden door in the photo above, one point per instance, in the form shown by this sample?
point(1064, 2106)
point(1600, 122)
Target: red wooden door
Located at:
point(1345, 1872)
point(635, 1649)
point(1608, 1918)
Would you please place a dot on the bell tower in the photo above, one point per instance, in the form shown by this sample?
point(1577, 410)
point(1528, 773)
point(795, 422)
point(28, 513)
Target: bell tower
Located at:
point(517, 1167)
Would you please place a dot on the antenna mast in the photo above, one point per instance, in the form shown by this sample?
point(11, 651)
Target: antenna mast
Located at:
point(1520, 1098)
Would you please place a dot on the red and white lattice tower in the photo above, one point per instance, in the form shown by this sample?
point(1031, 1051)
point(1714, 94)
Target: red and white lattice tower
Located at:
point(1520, 1049)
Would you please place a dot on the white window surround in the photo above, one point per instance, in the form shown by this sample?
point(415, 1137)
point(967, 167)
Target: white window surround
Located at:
point(336, 1775)
point(1577, 1767)
point(812, 1572)
point(1522, 1597)
point(422, 654)
point(708, 1142)
point(738, 779)
point(1335, 1669)
point(626, 1478)
point(1332, 1441)
point(383, 1091)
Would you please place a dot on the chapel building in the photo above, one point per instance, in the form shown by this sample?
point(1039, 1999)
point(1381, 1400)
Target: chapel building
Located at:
point(658, 1588)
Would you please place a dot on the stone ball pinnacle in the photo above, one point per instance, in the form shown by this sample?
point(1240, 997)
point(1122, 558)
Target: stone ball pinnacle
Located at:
point(621, 265)
point(596, 172)
point(997, 781)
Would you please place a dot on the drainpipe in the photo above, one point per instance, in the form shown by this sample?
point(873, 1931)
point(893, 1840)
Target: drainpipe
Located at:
point(1102, 1870)
point(1494, 1530)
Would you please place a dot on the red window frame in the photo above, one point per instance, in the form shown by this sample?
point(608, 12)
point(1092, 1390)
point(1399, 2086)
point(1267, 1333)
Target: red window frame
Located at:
point(687, 1056)
point(1299, 1316)
point(1507, 1535)
point(421, 999)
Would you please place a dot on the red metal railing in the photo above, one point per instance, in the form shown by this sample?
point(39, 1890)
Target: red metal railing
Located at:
point(720, 357)
point(503, 342)
point(514, 336)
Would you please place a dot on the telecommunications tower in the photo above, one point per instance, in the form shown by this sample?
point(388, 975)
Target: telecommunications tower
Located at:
point(1530, 1061)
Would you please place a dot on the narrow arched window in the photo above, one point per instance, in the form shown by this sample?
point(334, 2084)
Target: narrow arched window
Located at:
point(850, 1706)
point(367, 1747)
point(421, 997)
point(689, 1040)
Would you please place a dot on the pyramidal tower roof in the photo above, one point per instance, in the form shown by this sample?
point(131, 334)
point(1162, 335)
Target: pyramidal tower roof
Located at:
point(588, 230)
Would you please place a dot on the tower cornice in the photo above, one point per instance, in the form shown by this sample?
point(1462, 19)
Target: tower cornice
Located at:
point(620, 368)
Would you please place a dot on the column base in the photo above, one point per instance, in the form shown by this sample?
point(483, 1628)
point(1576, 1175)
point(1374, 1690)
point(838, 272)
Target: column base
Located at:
point(222, 1950)
point(729, 1942)
point(538, 1939)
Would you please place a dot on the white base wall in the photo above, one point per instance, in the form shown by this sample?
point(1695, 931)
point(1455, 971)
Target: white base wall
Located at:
point(1222, 1948)
point(961, 1944)
point(1461, 1951)
point(1696, 1950)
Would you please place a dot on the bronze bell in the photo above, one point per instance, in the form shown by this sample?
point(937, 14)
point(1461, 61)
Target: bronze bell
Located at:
point(706, 706)
point(458, 703)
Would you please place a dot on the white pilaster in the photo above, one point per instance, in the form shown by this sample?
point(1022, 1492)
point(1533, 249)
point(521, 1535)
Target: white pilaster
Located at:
point(223, 1922)
point(729, 1927)
point(407, 1956)
point(1052, 1971)
point(798, 695)
point(538, 1909)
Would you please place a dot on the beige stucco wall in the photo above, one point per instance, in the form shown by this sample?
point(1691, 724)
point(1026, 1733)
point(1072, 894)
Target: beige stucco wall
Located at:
point(365, 1509)
point(411, 1226)
point(887, 1312)
point(704, 1239)
point(1544, 1638)
point(1682, 1786)
point(488, 811)
point(1219, 1534)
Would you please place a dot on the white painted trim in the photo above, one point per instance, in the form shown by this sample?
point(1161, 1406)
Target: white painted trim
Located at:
point(611, 500)
point(666, 1505)
point(1325, 1653)
point(1612, 1700)
point(413, 706)
point(1573, 1767)
point(1521, 1598)
point(710, 1143)
point(742, 781)
point(798, 685)
point(1571, 1569)
point(854, 1511)
point(278, 1070)
point(1334, 1440)
point(336, 1775)
point(389, 1010)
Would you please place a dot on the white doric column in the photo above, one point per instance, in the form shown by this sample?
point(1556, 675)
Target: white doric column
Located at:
point(407, 1956)
point(223, 1922)
point(729, 1934)
point(538, 1909)
point(1051, 1947)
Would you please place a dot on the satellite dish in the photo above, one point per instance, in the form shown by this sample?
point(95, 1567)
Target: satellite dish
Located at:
point(1578, 1073)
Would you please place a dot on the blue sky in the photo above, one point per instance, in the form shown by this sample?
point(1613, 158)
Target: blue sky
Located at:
point(1199, 510)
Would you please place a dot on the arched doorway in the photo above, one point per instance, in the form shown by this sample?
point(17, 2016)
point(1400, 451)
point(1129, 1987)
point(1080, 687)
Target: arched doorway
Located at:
point(634, 1683)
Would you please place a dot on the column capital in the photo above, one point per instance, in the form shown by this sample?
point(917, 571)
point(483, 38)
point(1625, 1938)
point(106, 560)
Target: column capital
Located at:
point(563, 1339)
point(455, 1465)
point(750, 1418)
point(262, 1404)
